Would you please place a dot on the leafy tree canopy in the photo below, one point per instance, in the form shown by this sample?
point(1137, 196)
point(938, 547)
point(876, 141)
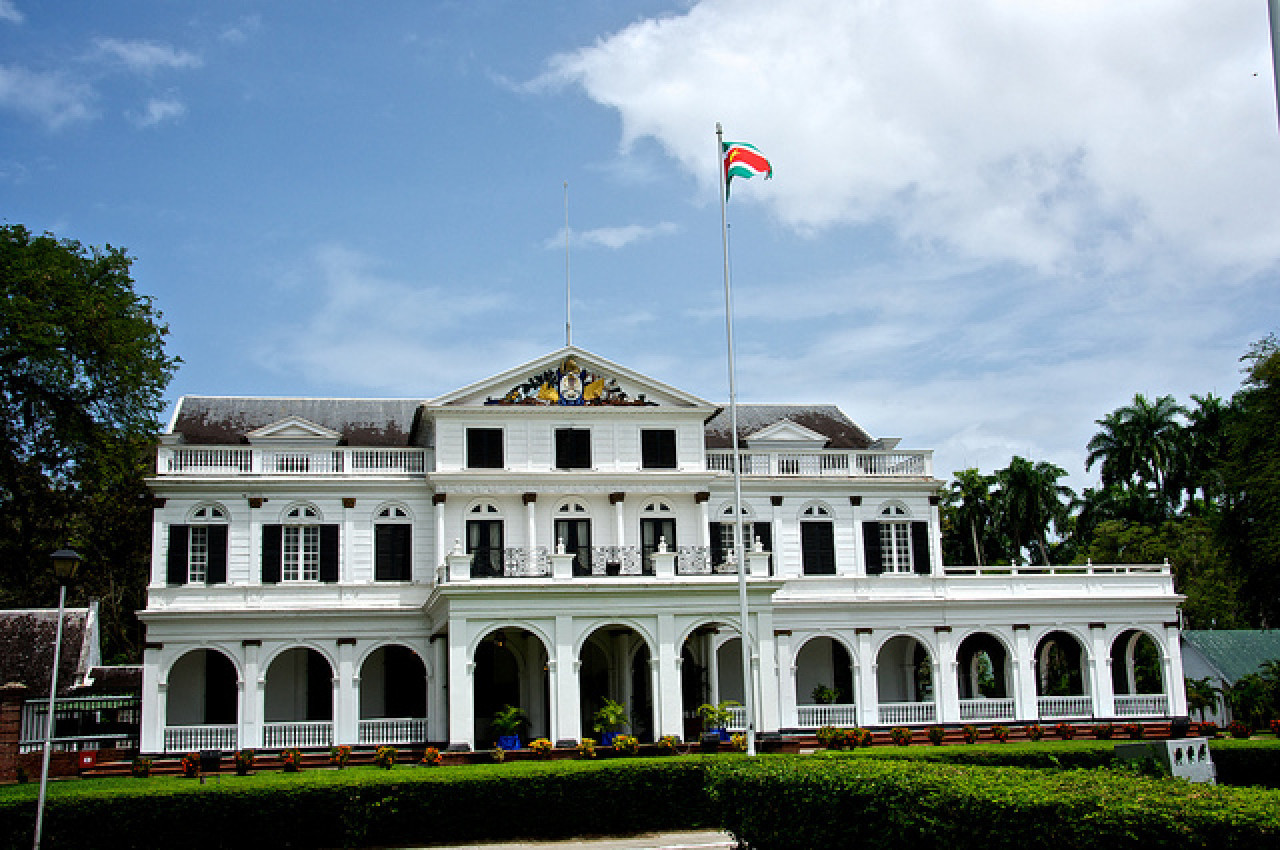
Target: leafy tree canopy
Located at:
point(82, 375)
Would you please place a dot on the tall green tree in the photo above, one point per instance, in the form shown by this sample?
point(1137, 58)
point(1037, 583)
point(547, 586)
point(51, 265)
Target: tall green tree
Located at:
point(82, 374)
point(1141, 441)
point(1029, 501)
point(970, 501)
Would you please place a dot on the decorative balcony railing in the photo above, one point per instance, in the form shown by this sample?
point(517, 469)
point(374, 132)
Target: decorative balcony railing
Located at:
point(236, 461)
point(393, 730)
point(906, 713)
point(987, 709)
point(186, 739)
point(308, 733)
point(1142, 705)
point(1065, 708)
point(817, 716)
point(518, 562)
point(854, 464)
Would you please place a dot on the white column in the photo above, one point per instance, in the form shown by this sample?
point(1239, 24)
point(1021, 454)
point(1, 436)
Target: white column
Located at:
point(764, 660)
point(251, 696)
point(668, 696)
point(946, 688)
point(1104, 700)
point(713, 668)
point(859, 545)
point(346, 569)
point(159, 553)
point(566, 721)
point(438, 510)
point(704, 521)
point(531, 528)
point(775, 517)
point(154, 703)
point(1171, 656)
point(461, 691)
point(1026, 707)
point(255, 545)
point(437, 691)
point(620, 525)
point(788, 717)
point(865, 684)
point(935, 539)
point(346, 708)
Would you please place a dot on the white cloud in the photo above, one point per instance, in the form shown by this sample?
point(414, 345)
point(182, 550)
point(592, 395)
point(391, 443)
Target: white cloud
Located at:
point(146, 56)
point(242, 30)
point(1063, 136)
point(160, 110)
point(52, 98)
point(11, 13)
point(614, 238)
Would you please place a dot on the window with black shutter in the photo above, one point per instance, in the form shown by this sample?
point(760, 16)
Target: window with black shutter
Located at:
point(818, 548)
point(657, 448)
point(176, 572)
point(920, 547)
point(573, 448)
point(391, 548)
point(484, 448)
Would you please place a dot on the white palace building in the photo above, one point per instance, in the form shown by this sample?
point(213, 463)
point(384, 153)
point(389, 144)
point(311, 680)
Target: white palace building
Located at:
point(368, 571)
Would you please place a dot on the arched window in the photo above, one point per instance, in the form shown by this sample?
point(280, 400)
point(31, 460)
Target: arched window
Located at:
point(572, 529)
point(392, 543)
point(817, 540)
point(895, 543)
point(657, 529)
point(302, 547)
point(198, 549)
point(722, 534)
point(485, 539)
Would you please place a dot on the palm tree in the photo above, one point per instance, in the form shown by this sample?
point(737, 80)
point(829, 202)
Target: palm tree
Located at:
point(1203, 451)
point(1142, 440)
point(1202, 695)
point(971, 496)
point(1029, 501)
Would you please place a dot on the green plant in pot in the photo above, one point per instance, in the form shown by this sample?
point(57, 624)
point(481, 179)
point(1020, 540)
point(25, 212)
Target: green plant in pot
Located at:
point(822, 695)
point(715, 718)
point(609, 720)
point(506, 724)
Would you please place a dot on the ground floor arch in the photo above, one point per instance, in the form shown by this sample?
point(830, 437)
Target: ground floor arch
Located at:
point(905, 682)
point(825, 688)
point(510, 669)
point(298, 699)
point(1137, 674)
point(393, 696)
point(615, 667)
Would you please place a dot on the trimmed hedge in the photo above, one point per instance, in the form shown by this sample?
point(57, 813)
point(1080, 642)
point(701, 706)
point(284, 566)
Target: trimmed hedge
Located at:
point(1255, 762)
point(364, 807)
point(799, 804)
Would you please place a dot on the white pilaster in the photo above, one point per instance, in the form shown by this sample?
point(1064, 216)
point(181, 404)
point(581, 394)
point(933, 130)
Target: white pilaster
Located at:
point(346, 697)
point(788, 717)
point(946, 687)
point(252, 696)
point(461, 691)
point(437, 691)
point(667, 693)
point(1099, 671)
point(438, 509)
point(566, 722)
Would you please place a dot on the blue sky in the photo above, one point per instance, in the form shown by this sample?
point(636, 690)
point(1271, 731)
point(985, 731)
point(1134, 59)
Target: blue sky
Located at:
point(990, 223)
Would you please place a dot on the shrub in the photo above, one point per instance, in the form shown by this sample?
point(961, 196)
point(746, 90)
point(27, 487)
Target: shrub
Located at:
point(627, 745)
point(141, 767)
point(970, 733)
point(244, 762)
point(1208, 729)
point(857, 737)
point(1135, 731)
point(541, 747)
point(1104, 731)
point(936, 734)
point(1275, 727)
point(1065, 731)
point(586, 748)
point(1000, 733)
point(292, 760)
point(830, 737)
point(738, 742)
point(385, 757)
point(668, 744)
point(1035, 731)
point(497, 755)
point(340, 756)
point(1239, 729)
point(431, 757)
point(900, 735)
point(190, 765)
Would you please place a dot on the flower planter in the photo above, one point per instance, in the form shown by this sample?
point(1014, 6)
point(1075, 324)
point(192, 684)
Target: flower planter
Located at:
point(709, 742)
point(606, 738)
point(509, 742)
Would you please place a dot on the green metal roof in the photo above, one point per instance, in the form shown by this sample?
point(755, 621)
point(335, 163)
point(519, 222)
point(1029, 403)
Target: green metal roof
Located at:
point(1236, 652)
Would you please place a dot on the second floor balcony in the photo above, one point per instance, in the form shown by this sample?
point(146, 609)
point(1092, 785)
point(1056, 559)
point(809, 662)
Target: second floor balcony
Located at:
point(826, 463)
point(250, 461)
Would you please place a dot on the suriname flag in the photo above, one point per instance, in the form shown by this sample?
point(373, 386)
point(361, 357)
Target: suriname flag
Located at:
point(743, 160)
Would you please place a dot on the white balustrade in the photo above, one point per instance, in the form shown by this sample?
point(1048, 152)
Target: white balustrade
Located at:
point(1142, 705)
point(393, 730)
point(903, 713)
point(310, 733)
point(816, 716)
point(737, 718)
point(1065, 707)
point(186, 739)
point(986, 709)
point(253, 461)
point(823, 463)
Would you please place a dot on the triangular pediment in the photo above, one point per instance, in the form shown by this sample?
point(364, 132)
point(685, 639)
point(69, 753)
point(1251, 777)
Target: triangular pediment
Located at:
point(293, 429)
point(571, 377)
point(785, 433)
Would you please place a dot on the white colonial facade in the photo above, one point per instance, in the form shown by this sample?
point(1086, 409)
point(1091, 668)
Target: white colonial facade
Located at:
point(356, 571)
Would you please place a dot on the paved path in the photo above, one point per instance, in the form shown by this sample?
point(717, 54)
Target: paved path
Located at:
point(702, 840)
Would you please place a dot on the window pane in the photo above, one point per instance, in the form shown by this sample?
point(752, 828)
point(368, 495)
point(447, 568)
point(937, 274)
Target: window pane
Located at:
point(198, 553)
point(484, 448)
point(658, 449)
point(573, 448)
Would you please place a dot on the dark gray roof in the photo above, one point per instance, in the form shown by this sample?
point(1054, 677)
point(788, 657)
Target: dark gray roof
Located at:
point(119, 680)
point(1235, 652)
point(361, 421)
point(826, 419)
point(26, 648)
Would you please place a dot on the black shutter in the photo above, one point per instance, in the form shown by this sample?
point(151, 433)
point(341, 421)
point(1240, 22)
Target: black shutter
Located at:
point(177, 573)
point(329, 553)
point(217, 555)
point(920, 548)
point(391, 544)
point(717, 550)
point(272, 543)
point(871, 548)
point(817, 548)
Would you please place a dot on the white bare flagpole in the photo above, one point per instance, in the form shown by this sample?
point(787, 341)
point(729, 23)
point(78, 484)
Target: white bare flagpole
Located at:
point(748, 685)
point(568, 332)
point(1273, 11)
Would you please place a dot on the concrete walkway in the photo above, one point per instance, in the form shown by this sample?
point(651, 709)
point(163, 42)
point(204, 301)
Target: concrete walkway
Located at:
point(701, 840)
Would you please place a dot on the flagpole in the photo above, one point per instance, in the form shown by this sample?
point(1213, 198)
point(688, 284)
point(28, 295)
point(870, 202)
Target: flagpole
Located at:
point(568, 332)
point(744, 631)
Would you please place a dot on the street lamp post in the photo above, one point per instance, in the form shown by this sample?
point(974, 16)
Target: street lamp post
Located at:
point(65, 564)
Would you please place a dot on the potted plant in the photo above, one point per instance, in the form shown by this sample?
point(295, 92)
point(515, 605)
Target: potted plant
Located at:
point(970, 733)
point(339, 756)
point(541, 747)
point(1000, 733)
point(716, 718)
point(668, 745)
point(822, 695)
point(1035, 731)
point(901, 735)
point(936, 734)
point(385, 757)
point(609, 720)
point(191, 765)
point(626, 745)
point(857, 737)
point(430, 757)
point(506, 725)
point(830, 737)
point(586, 749)
point(1065, 731)
point(292, 760)
point(141, 767)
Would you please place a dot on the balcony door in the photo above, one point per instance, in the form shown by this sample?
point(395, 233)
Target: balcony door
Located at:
point(651, 531)
point(484, 543)
point(576, 536)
